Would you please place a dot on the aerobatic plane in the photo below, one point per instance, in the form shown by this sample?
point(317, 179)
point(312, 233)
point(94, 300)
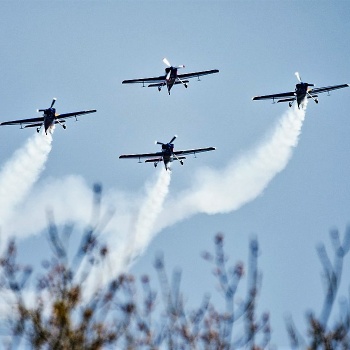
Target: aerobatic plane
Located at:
point(302, 90)
point(167, 154)
point(48, 120)
point(170, 78)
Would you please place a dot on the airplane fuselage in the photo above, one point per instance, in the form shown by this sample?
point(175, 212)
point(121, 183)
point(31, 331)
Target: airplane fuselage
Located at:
point(168, 151)
point(170, 77)
point(301, 91)
point(49, 118)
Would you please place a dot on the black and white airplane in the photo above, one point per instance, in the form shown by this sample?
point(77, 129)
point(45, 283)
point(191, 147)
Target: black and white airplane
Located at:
point(302, 90)
point(170, 78)
point(167, 154)
point(48, 120)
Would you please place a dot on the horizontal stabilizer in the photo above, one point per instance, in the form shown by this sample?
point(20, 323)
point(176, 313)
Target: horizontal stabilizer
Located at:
point(153, 160)
point(33, 125)
point(156, 85)
point(286, 100)
point(181, 82)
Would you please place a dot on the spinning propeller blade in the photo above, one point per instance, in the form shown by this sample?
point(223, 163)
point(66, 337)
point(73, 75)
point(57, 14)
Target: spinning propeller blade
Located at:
point(173, 139)
point(166, 62)
point(299, 78)
point(53, 102)
point(169, 65)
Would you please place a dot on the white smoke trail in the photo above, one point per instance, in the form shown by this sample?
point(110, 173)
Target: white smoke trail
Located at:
point(127, 246)
point(134, 225)
point(149, 212)
point(222, 191)
point(19, 174)
point(127, 235)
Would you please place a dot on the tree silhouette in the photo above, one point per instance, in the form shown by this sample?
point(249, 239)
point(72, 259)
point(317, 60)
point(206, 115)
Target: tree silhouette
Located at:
point(57, 308)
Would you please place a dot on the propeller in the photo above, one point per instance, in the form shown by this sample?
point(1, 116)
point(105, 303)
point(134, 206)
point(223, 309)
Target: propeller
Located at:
point(167, 63)
point(298, 76)
point(171, 141)
point(52, 103)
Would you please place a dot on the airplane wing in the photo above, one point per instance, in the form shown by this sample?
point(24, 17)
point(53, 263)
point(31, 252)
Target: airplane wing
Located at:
point(24, 121)
point(145, 80)
point(197, 74)
point(274, 96)
point(141, 155)
point(74, 114)
point(327, 88)
point(194, 150)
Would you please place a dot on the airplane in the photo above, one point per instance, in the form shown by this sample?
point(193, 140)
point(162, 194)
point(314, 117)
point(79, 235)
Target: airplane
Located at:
point(170, 78)
point(48, 120)
point(302, 90)
point(167, 154)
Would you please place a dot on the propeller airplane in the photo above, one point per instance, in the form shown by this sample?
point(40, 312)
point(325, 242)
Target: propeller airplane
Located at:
point(48, 120)
point(170, 78)
point(167, 154)
point(302, 91)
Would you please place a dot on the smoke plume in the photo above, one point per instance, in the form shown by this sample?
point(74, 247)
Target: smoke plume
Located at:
point(224, 190)
point(138, 218)
point(131, 243)
point(19, 174)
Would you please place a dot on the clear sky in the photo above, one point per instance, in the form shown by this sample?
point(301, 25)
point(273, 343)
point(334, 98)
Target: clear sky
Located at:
point(80, 51)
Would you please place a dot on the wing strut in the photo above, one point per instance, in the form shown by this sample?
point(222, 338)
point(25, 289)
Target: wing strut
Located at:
point(315, 99)
point(179, 159)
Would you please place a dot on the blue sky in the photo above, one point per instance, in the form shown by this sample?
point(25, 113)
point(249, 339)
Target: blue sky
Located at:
point(80, 51)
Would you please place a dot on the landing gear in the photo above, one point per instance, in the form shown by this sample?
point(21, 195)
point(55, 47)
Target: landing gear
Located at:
point(290, 104)
point(186, 86)
point(181, 162)
point(64, 127)
point(159, 88)
point(316, 100)
point(38, 130)
point(155, 164)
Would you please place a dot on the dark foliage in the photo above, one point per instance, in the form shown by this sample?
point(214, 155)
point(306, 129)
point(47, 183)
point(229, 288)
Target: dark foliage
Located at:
point(59, 309)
